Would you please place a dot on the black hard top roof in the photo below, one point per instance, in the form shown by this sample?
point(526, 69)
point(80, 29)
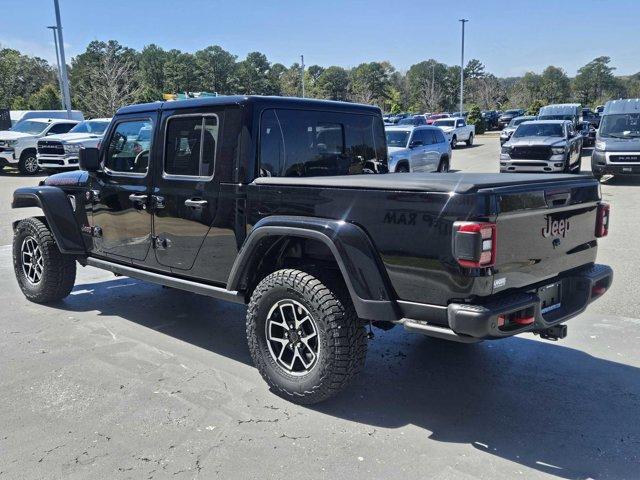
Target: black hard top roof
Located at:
point(262, 101)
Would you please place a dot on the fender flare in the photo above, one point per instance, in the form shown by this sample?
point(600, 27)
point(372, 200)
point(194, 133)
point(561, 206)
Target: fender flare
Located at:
point(57, 211)
point(359, 262)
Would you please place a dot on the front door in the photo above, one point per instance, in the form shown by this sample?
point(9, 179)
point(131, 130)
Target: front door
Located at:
point(121, 218)
point(185, 190)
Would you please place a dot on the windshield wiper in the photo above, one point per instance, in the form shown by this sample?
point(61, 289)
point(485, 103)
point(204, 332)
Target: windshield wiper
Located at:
point(617, 135)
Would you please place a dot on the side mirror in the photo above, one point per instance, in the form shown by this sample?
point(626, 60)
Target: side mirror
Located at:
point(415, 143)
point(89, 159)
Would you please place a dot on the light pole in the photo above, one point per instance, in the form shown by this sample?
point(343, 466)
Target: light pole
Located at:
point(463, 21)
point(302, 73)
point(64, 80)
point(55, 42)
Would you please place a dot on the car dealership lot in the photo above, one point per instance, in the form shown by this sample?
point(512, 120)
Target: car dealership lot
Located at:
point(128, 380)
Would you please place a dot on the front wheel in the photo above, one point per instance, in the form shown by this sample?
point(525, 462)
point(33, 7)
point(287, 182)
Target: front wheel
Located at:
point(44, 274)
point(28, 164)
point(304, 336)
point(454, 142)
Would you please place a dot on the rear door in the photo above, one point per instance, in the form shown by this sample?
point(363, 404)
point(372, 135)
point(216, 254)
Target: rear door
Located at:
point(185, 197)
point(121, 190)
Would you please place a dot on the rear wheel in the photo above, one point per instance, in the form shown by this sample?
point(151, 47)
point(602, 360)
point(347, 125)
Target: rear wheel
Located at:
point(304, 336)
point(443, 166)
point(44, 274)
point(470, 140)
point(28, 163)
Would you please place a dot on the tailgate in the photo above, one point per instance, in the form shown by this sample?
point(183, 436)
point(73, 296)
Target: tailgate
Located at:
point(543, 230)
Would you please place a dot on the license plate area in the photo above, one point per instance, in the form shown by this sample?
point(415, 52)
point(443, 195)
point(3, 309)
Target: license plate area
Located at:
point(550, 297)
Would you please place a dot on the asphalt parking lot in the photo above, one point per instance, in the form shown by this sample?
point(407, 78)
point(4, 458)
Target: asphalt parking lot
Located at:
point(125, 379)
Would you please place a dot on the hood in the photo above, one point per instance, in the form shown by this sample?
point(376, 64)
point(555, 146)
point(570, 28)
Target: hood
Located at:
point(9, 135)
point(621, 144)
point(445, 129)
point(530, 141)
point(509, 130)
point(68, 137)
point(75, 178)
point(392, 150)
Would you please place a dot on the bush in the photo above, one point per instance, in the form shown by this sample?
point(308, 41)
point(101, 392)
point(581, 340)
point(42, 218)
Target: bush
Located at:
point(535, 107)
point(475, 118)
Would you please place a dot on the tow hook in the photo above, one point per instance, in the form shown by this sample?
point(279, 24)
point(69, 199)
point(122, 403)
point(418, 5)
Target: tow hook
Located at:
point(555, 333)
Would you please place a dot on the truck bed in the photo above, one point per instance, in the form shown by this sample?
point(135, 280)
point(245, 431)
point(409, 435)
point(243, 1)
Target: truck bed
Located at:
point(421, 182)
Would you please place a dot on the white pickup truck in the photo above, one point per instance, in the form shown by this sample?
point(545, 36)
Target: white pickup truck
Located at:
point(62, 151)
point(457, 130)
point(18, 145)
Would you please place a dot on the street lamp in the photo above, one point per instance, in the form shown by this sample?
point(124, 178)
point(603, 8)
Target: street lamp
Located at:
point(55, 42)
point(463, 21)
point(302, 73)
point(64, 80)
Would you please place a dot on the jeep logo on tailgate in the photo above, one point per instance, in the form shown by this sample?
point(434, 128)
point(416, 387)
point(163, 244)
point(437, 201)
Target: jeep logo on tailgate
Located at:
point(555, 228)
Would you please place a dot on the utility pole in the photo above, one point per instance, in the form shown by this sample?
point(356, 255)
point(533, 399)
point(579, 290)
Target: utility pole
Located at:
point(55, 42)
point(64, 79)
point(302, 73)
point(463, 21)
point(433, 77)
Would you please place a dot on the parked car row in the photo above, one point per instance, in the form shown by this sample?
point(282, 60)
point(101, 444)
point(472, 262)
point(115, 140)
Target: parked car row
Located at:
point(48, 139)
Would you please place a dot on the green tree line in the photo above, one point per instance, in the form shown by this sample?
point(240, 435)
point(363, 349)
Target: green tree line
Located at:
point(108, 75)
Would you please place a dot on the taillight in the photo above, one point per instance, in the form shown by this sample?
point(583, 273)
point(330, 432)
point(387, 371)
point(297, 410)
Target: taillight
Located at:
point(474, 244)
point(602, 220)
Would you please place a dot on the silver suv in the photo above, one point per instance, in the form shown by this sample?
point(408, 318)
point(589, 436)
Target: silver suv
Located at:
point(417, 149)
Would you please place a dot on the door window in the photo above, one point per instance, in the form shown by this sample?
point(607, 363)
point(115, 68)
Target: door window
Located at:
point(190, 149)
point(60, 128)
point(128, 148)
point(419, 137)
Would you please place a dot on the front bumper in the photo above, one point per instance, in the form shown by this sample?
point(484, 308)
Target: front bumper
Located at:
point(600, 165)
point(555, 164)
point(473, 322)
point(7, 157)
point(58, 161)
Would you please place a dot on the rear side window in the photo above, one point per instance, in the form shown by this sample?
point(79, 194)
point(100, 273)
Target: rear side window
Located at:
point(128, 148)
point(190, 148)
point(60, 128)
point(297, 143)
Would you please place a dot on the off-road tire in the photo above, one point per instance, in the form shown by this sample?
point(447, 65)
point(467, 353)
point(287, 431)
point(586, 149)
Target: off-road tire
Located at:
point(58, 269)
point(469, 141)
point(342, 336)
point(26, 161)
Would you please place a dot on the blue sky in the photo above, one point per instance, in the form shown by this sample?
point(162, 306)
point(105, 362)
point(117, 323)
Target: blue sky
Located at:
point(508, 36)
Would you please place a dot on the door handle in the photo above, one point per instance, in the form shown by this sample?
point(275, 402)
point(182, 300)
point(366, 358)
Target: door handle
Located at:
point(137, 198)
point(196, 203)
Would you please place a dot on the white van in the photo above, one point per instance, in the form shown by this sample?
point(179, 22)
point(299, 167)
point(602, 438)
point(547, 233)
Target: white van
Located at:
point(17, 115)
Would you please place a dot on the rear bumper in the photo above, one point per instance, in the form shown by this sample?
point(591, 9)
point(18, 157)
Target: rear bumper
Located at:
point(473, 322)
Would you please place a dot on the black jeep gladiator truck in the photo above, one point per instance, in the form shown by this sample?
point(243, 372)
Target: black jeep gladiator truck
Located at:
point(284, 204)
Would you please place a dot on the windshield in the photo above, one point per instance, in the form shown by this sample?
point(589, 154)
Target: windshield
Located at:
point(556, 117)
point(397, 138)
point(444, 123)
point(539, 130)
point(94, 127)
point(408, 121)
point(518, 120)
point(511, 112)
point(623, 125)
point(29, 126)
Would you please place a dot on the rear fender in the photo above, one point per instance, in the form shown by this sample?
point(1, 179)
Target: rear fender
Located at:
point(57, 211)
point(359, 263)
